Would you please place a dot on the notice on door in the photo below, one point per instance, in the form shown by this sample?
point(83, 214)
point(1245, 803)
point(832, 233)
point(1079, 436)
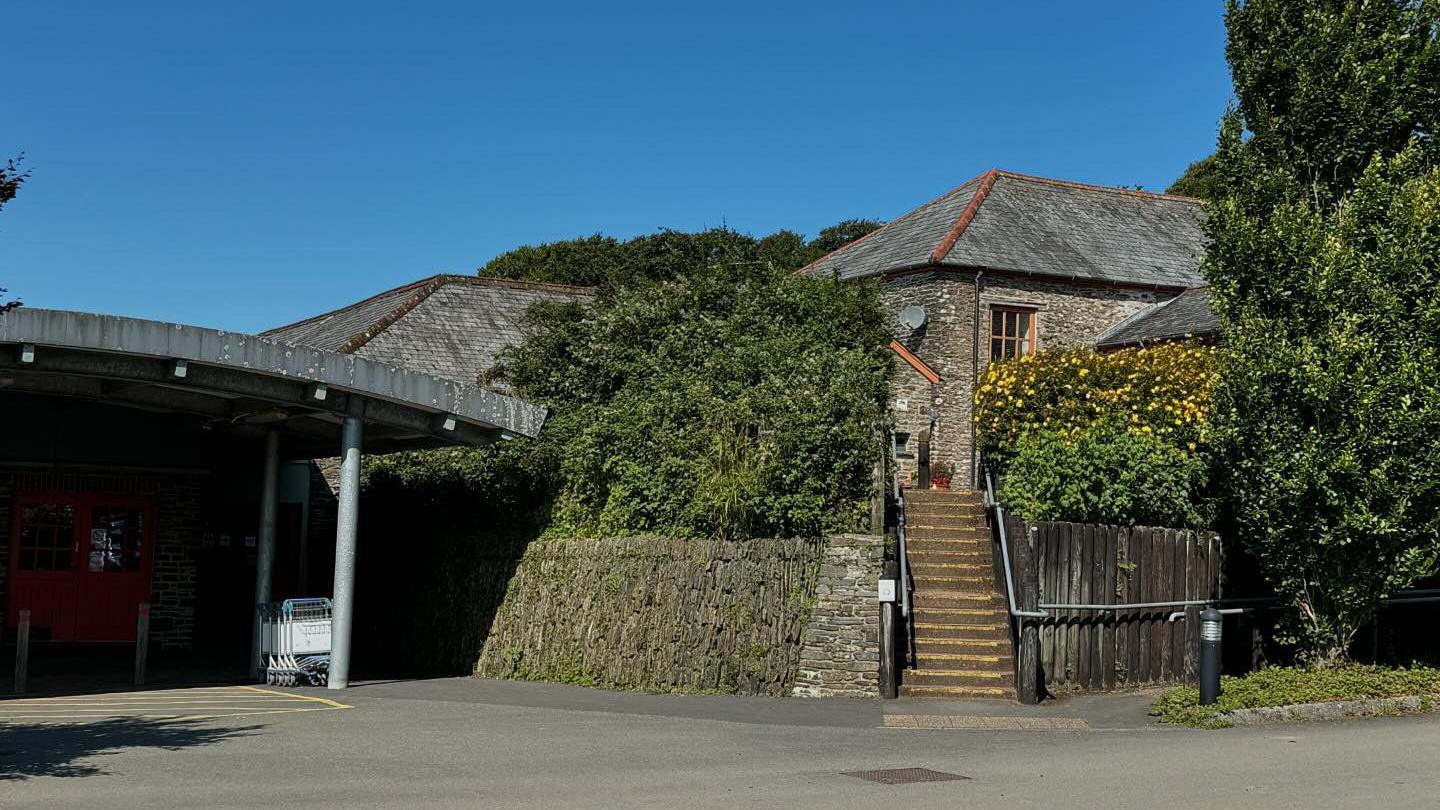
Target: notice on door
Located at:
point(99, 542)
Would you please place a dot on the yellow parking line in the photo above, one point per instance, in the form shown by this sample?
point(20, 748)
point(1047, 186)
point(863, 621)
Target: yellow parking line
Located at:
point(331, 703)
point(184, 704)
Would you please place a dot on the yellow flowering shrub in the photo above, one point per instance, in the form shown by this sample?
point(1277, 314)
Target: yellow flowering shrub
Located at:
point(1163, 392)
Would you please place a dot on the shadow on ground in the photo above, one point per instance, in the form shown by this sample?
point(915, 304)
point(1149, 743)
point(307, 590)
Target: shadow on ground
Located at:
point(28, 751)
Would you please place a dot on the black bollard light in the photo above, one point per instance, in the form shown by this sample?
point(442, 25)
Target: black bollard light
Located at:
point(1210, 628)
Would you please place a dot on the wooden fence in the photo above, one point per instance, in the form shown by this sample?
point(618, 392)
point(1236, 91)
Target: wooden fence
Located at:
point(1073, 563)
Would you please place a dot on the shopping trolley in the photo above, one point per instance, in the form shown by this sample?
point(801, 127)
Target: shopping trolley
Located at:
point(295, 641)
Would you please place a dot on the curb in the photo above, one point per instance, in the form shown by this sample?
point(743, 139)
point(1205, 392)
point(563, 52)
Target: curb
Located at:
point(1339, 710)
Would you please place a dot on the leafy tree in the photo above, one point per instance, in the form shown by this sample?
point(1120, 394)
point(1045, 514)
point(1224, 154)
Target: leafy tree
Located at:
point(588, 261)
point(1323, 257)
point(731, 400)
point(1200, 180)
point(603, 261)
point(839, 235)
point(11, 178)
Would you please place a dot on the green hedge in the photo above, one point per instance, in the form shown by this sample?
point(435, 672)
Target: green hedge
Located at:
point(1105, 474)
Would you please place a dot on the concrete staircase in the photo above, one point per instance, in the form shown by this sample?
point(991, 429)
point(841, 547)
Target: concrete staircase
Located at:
point(961, 627)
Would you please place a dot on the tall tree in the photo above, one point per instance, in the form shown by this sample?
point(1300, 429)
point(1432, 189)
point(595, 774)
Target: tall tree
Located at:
point(1200, 180)
point(11, 178)
point(603, 261)
point(1324, 261)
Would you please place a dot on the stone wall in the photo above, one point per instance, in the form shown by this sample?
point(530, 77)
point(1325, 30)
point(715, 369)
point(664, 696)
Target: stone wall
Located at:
point(179, 526)
point(840, 648)
point(673, 614)
point(1069, 314)
point(946, 343)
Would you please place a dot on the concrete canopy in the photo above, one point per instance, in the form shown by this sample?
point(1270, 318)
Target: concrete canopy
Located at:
point(248, 384)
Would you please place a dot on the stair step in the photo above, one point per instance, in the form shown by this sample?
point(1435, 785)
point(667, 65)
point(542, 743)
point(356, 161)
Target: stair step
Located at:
point(944, 495)
point(961, 631)
point(925, 599)
point(949, 567)
point(933, 660)
point(959, 692)
point(976, 617)
point(929, 645)
point(931, 532)
point(972, 676)
point(945, 546)
point(945, 582)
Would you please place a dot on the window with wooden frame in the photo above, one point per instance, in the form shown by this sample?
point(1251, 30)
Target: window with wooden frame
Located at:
point(1012, 332)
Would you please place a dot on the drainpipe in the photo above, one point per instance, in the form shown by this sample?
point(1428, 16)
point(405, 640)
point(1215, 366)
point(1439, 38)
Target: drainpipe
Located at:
point(974, 381)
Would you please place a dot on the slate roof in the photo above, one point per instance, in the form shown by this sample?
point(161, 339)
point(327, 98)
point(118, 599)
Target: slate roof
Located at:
point(446, 325)
point(1187, 314)
point(1016, 223)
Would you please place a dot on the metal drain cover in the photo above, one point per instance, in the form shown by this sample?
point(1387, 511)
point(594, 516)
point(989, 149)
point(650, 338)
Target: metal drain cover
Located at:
point(904, 776)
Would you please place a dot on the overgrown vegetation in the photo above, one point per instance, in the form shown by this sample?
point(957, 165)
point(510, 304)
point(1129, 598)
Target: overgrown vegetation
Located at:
point(1285, 686)
point(603, 261)
point(1323, 264)
point(1106, 473)
point(731, 402)
point(1101, 438)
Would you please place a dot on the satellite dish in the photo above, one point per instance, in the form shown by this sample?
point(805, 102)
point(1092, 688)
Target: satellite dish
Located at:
point(912, 317)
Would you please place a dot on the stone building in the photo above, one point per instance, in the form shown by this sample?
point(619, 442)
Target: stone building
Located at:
point(1006, 264)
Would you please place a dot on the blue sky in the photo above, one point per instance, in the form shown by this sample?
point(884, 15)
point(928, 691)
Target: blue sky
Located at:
point(243, 165)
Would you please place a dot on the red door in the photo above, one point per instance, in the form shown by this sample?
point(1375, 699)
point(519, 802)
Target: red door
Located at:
point(81, 564)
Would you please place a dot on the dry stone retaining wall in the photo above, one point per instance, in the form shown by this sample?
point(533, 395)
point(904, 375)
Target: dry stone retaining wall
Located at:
point(840, 650)
point(674, 614)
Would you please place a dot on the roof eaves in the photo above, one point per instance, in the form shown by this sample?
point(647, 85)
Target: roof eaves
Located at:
point(987, 182)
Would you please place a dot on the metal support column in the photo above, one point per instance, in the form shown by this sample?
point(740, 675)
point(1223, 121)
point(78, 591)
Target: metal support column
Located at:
point(343, 603)
point(265, 541)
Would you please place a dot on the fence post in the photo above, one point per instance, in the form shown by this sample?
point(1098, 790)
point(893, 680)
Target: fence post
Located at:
point(142, 642)
point(1192, 643)
point(877, 498)
point(22, 650)
point(1028, 686)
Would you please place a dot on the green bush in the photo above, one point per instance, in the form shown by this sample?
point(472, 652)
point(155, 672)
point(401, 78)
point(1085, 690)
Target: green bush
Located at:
point(1105, 473)
point(1286, 686)
point(731, 402)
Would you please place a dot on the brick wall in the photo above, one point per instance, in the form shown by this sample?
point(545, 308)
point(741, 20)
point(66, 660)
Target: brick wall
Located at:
point(1068, 315)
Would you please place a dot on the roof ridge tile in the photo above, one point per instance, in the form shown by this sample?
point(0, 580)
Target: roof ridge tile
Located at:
point(917, 209)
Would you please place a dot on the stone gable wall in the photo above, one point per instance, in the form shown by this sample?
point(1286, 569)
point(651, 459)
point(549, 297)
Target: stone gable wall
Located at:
point(947, 344)
point(1069, 315)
